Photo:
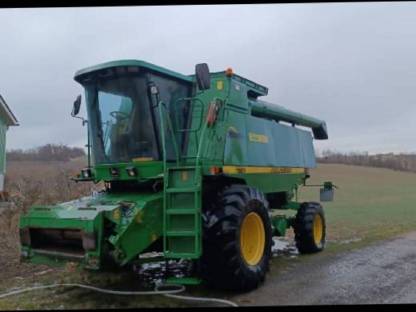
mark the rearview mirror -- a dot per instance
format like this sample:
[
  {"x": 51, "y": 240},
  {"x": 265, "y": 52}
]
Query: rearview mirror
[
  {"x": 203, "y": 79},
  {"x": 77, "y": 105}
]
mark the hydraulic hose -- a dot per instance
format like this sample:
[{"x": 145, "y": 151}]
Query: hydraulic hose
[{"x": 158, "y": 291}]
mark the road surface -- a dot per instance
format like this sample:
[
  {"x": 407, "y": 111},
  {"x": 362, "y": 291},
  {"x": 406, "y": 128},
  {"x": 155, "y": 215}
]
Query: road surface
[{"x": 377, "y": 274}]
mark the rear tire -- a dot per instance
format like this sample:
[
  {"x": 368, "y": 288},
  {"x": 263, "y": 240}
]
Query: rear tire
[
  {"x": 310, "y": 228},
  {"x": 237, "y": 239}
]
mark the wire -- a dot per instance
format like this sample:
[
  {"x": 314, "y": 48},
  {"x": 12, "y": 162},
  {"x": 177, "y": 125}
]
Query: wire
[
  {"x": 106, "y": 291},
  {"x": 226, "y": 302},
  {"x": 168, "y": 292},
  {"x": 189, "y": 298}
]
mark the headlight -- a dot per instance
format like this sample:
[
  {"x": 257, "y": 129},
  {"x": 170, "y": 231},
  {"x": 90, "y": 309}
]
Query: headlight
[
  {"x": 86, "y": 173},
  {"x": 114, "y": 172},
  {"x": 131, "y": 171}
]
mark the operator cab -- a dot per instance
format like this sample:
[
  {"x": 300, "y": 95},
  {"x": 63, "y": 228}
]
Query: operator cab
[{"x": 124, "y": 123}]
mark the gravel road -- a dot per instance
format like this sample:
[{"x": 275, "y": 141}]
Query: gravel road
[{"x": 381, "y": 273}]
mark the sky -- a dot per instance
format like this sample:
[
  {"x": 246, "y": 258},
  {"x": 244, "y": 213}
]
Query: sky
[{"x": 350, "y": 64}]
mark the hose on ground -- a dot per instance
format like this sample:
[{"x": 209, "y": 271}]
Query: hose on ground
[
  {"x": 202, "y": 299},
  {"x": 171, "y": 293}
]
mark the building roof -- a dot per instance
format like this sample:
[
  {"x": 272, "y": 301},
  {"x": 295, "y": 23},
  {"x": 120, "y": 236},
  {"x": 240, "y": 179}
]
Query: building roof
[{"x": 6, "y": 112}]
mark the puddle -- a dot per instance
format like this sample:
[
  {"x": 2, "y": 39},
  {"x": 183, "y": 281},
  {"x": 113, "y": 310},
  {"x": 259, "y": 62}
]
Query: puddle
[
  {"x": 282, "y": 246},
  {"x": 349, "y": 241}
]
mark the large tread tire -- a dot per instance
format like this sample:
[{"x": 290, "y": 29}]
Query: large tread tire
[
  {"x": 308, "y": 237},
  {"x": 222, "y": 263}
]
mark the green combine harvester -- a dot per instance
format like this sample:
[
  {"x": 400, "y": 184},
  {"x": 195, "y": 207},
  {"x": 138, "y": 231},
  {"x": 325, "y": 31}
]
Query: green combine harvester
[{"x": 196, "y": 171}]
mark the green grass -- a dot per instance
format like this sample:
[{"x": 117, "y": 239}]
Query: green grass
[{"x": 370, "y": 204}]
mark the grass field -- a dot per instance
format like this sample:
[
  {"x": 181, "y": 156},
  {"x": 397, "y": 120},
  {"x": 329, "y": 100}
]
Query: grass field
[{"x": 370, "y": 204}]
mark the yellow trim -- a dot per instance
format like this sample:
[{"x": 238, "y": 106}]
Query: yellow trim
[
  {"x": 250, "y": 169},
  {"x": 252, "y": 238},
  {"x": 220, "y": 84},
  {"x": 116, "y": 214},
  {"x": 153, "y": 237},
  {"x": 259, "y": 138},
  {"x": 184, "y": 175},
  {"x": 317, "y": 229},
  {"x": 142, "y": 159},
  {"x": 139, "y": 217}
]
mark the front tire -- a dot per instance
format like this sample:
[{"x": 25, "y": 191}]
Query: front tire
[{"x": 237, "y": 239}]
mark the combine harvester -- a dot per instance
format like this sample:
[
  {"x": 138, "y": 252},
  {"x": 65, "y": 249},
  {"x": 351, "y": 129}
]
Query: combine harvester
[{"x": 194, "y": 169}]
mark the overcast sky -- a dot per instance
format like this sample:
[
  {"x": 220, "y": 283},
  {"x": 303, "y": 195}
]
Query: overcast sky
[{"x": 351, "y": 64}]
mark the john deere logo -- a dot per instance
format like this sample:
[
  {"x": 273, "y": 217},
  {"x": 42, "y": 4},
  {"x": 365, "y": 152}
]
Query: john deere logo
[{"x": 259, "y": 138}]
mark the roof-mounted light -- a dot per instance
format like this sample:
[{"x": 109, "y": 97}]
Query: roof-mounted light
[{"x": 229, "y": 72}]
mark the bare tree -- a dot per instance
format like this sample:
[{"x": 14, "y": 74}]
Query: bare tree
[{"x": 401, "y": 162}]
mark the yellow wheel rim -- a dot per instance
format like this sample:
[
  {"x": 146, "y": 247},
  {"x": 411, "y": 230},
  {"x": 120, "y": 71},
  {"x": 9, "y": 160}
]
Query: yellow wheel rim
[
  {"x": 318, "y": 229},
  {"x": 252, "y": 238}
]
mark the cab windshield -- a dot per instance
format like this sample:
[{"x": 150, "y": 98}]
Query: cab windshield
[{"x": 122, "y": 123}]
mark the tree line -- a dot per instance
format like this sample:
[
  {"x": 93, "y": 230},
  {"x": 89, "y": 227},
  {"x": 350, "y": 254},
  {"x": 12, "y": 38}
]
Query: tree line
[
  {"x": 46, "y": 152},
  {"x": 401, "y": 162}
]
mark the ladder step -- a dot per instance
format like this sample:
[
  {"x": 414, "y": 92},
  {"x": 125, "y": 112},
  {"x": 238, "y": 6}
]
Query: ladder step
[
  {"x": 182, "y": 201},
  {"x": 181, "y": 255},
  {"x": 192, "y": 189},
  {"x": 181, "y": 233},
  {"x": 183, "y": 280},
  {"x": 179, "y": 211},
  {"x": 182, "y": 168}
]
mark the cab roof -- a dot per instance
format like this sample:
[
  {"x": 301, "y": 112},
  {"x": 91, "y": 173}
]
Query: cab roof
[
  {"x": 255, "y": 88},
  {"x": 129, "y": 63}
]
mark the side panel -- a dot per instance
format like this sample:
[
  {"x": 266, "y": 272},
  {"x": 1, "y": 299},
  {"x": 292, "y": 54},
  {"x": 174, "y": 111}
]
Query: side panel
[
  {"x": 141, "y": 229},
  {"x": 266, "y": 143},
  {"x": 266, "y": 154}
]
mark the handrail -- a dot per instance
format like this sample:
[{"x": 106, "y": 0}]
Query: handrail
[
  {"x": 192, "y": 99},
  {"x": 198, "y": 155},
  {"x": 161, "y": 105},
  {"x": 202, "y": 139},
  {"x": 162, "y": 131}
]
